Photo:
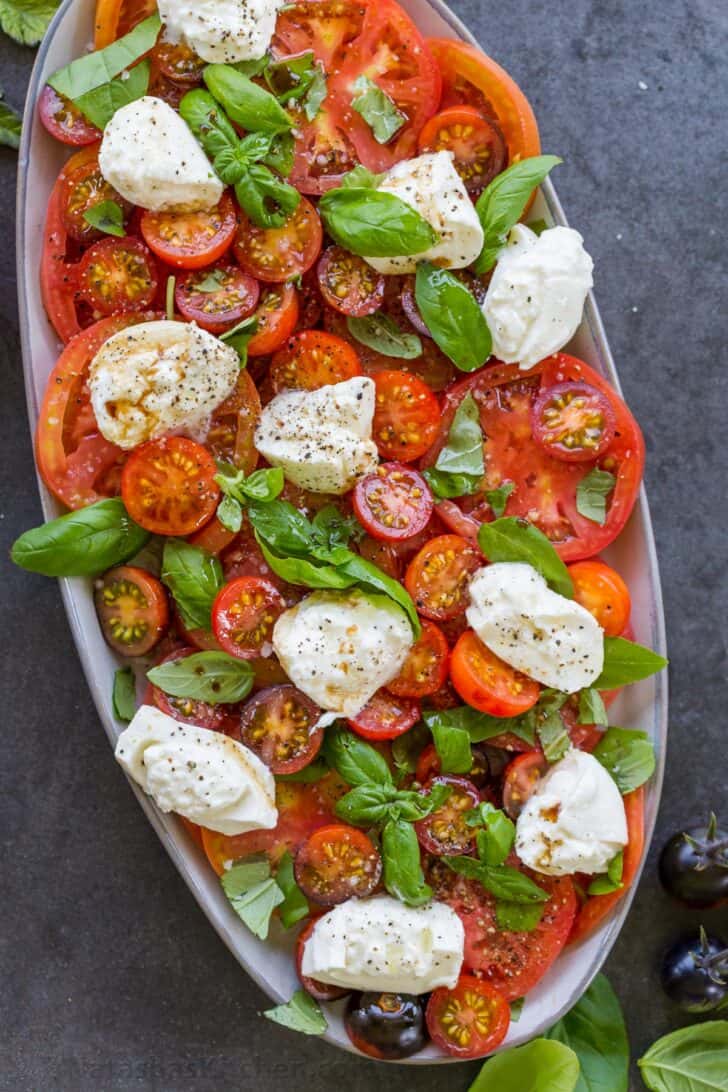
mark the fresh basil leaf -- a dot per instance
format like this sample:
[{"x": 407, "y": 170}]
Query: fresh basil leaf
[
  {"x": 309, "y": 574},
  {"x": 230, "y": 514},
  {"x": 591, "y": 495},
  {"x": 255, "y": 907},
  {"x": 381, "y": 333},
  {"x": 377, "y": 108},
  {"x": 100, "y": 104},
  {"x": 374, "y": 223},
  {"x": 403, "y": 876},
  {"x": 301, "y": 1013},
  {"x": 504, "y": 882},
  {"x": 313, "y": 772},
  {"x": 331, "y": 528},
  {"x": 496, "y": 840},
  {"x": 10, "y": 120},
  {"x": 691, "y": 1059},
  {"x": 239, "y": 337},
  {"x": 123, "y": 696},
  {"x": 592, "y": 709},
  {"x": 626, "y": 662},
  {"x": 537, "y": 226},
  {"x": 282, "y": 154},
  {"x": 513, "y": 539},
  {"x": 370, "y": 578},
  {"x": 553, "y": 737},
  {"x": 460, "y": 466},
  {"x": 294, "y": 907},
  {"x": 262, "y": 485},
  {"x": 212, "y": 677},
  {"x": 266, "y": 199},
  {"x": 360, "y": 177},
  {"x": 539, "y": 1066},
  {"x": 244, "y": 875},
  {"x": 169, "y": 297},
  {"x": 628, "y": 755},
  {"x": 282, "y": 527},
  {"x": 82, "y": 543},
  {"x": 503, "y": 200},
  {"x": 247, "y": 104},
  {"x": 96, "y": 69},
  {"x": 453, "y": 317},
  {"x": 498, "y": 498},
  {"x": 354, "y": 760},
  {"x": 414, "y": 806},
  {"x": 208, "y": 121},
  {"x": 26, "y": 21},
  {"x": 480, "y": 726},
  {"x": 517, "y": 917},
  {"x": 300, "y": 79},
  {"x": 612, "y": 878},
  {"x": 407, "y": 748},
  {"x": 106, "y": 216},
  {"x": 194, "y": 578},
  {"x": 594, "y": 1029},
  {"x": 452, "y": 744},
  {"x": 366, "y": 805}
]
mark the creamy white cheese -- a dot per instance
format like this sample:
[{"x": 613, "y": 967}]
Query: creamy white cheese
[
  {"x": 575, "y": 821},
  {"x": 536, "y": 295},
  {"x": 381, "y": 944},
  {"x": 206, "y": 776},
  {"x": 159, "y": 377},
  {"x": 223, "y": 31},
  {"x": 545, "y": 635},
  {"x": 321, "y": 439},
  {"x": 431, "y": 185},
  {"x": 150, "y": 156},
  {"x": 339, "y": 647}
]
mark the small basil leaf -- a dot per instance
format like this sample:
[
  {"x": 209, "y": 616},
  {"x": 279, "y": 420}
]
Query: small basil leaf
[
  {"x": 301, "y": 1013},
  {"x": 212, "y": 677},
  {"x": 82, "y": 543},
  {"x": 294, "y": 907},
  {"x": 498, "y": 498},
  {"x": 403, "y": 876},
  {"x": 413, "y": 806},
  {"x": 123, "y": 697},
  {"x": 517, "y": 917},
  {"x": 592, "y": 709},
  {"x": 95, "y": 69},
  {"x": 194, "y": 578},
  {"x": 480, "y": 726},
  {"x": 100, "y": 105},
  {"x": 267, "y": 200},
  {"x": 243, "y": 875},
  {"x": 452, "y": 744},
  {"x": 230, "y": 514},
  {"x": 514, "y": 539},
  {"x": 611, "y": 880},
  {"x": 591, "y": 495},
  {"x": 374, "y": 223},
  {"x": 460, "y": 466},
  {"x": 381, "y": 333},
  {"x": 628, "y": 755},
  {"x": 247, "y": 104},
  {"x": 595, "y": 1029},
  {"x": 366, "y": 805},
  {"x": 10, "y": 122},
  {"x": 626, "y": 662},
  {"x": 496, "y": 840},
  {"x": 377, "y": 108},
  {"x": 316, "y": 94},
  {"x": 354, "y": 760},
  {"x": 360, "y": 177},
  {"x": 239, "y": 337},
  {"x": 407, "y": 748},
  {"x": 309, "y": 574},
  {"x": 502, "y": 202},
  {"x": 208, "y": 121},
  {"x": 453, "y": 317},
  {"x": 553, "y": 737},
  {"x": 504, "y": 882},
  {"x": 106, "y": 216},
  {"x": 255, "y": 907},
  {"x": 539, "y": 1066}
]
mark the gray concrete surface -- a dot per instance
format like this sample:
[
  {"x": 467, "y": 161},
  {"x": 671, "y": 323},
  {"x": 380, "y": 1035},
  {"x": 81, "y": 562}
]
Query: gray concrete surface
[{"x": 112, "y": 980}]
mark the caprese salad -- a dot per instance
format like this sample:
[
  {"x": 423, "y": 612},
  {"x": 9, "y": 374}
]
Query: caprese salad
[{"x": 341, "y": 496}]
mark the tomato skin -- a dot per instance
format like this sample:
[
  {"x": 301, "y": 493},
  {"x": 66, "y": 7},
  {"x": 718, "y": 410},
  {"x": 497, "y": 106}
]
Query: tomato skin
[
  {"x": 604, "y": 593},
  {"x": 243, "y": 616},
  {"x": 477, "y": 144},
  {"x": 191, "y": 240},
  {"x": 168, "y": 486},
  {"x": 275, "y": 255},
  {"x": 487, "y": 682},
  {"x": 425, "y": 669},
  {"x": 132, "y": 608},
  {"x": 337, "y": 863},
  {"x": 470, "y": 1020},
  {"x": 313, "y": 359},
  {"x": 277, "y": 315},
  {"x": 277, "y": 724},
  {"x": 521, "y": 780},
  {"x": 64, "y": 121},
  {"x": 348, "y": 284},
  {"x": 57, "y": 273},
  {"x": 217, "y": 311},
  {"x": 320, "y": 991},
  {"x": 445, "y": 831},
  {"x": 573, "y": 422},
  {"x": 118, "y": 275},
  {"x": 394, "y": 503},
  {"x": 385, "y": 717},
  {"x": 439, "y": 575},
  {"x": 406, "y": 416}
]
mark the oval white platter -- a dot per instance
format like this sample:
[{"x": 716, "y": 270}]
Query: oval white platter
[{"x": 641, "y": 706}]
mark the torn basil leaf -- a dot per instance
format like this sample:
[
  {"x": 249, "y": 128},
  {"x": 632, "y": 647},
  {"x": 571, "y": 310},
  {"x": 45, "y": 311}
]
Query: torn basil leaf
[
  {"x": 378, "y": 109},
  {"x": 460, "y": 466}
]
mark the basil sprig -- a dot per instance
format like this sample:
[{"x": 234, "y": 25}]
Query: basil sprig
[
  {"x": 381, "y": 333},
  {"x": 612, "y": 878},
  {"x": 379, "y": 111},
  {"x": 591, "y": 495},
  {"x": 81, "y": 543},
  {"x": 453, "y": 317},
  {"x": 106, "y": 216},
  {"x": 374, "y": 223},
  {"x": 212, "y": 677},
  {"x": 194, "y": 578},
  {"x": 502, "y": 202},
  {"x": 301, "y": 1014},
  {"x": 460, "y": 465},
  {"x": 238, "y": 491},
  {"x": 513, "y": 539},
  {"x": 626, "y": 662},
  {"x": 628, "y": 756},
  {"x": 248, "y": 104}
]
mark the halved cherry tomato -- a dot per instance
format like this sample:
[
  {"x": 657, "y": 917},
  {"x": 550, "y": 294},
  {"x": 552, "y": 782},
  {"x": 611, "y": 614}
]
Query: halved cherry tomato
[
  {"x": 604, "y": 594},
  {"x": 313, "y": 359},
  {"x": 470, "y": 1020},
  {"x": 445, "y": 831},
  {"x": 348, "y": 283},
  {"x": 278, "y": 724},
  {"x": 114, "y": 18},
  {"x": 394, "y": 503},
  {"x": 168, "y": 486},
  {"x": 406, "y": 416},
  {"x": 218, "y": 298},
  {"x": 217, "y": 718},
  {"x": 64, "y": 121},
  {"x": 572, "y": 421},
  {"x": 132, "y": 608},
  {"x": 118, "y": 275},
  {"x": 487, "y": 683},
  {"x": 320, "y": 991},
  {"x": 177, "y": 61},
  {"x": 274, "y": 255},
  {"x": 84, "y": 186},
  {"x": 425, "y": 669},
  {"x": 583, "y": 736},
  {"x": 277, "y": 315},
  {"x": 191, "y": 240},
  {"x": 230, "y": 436},
  {"x": 478, "y": 146},
  {"x": 521, "y": 779},
  {"x": 243, "y": 616},
  {"x": 385, "y": 716},
  {"x": 439, "y": 575},
  {"x": 337, "y": 863}
]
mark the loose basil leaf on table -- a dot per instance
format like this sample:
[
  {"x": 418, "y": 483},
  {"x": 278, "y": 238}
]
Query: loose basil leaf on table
[
  {"x": 460, "y": 466},
  {"x": 595, "y": 1030},
  {"x": 591, "y": 495},
  {"x": 95, "y": 69},
  {"x": 403, "y": 876},
  {"x": 498, "y": 498},
  {"x": 542, "y": 1065},
  {"x": 100, "y": 105},
  {"x": 514, "y": 539},
  {"x": 502, "y": 202},
  {"x": 245, "y": 102},
  {"x": 10, "y": 124},
  {"x": 377, "y": 108},
  {"x": 123, "y": 695},
  {"x": 106, "y": 216},
  {"x": 453, "y": 317},
  {"x": 592, "y": 709},
  {"x": 626, "y": 662},
  {"x": 374, "y": 223},
  {"x": 691, "y": 1059},
  {"x": 301, "y": 1013},
  {"x": 611, "y": 880},
  {"x": 82, "y": 543},
  {"x": 212, "y": 677},
  {"x": 381, "y": 333},
  {"x": 628, "y": 755},
  {"x": 194, "y": 578}
]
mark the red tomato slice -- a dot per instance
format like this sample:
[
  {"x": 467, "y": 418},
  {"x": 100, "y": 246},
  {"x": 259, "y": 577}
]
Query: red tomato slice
[
  {"x": 313, "y": 359},
  {"x": 406, "y": 416},
  {"x": 573, "y": 422},
  {"x": 470, "y": 1020},
  {"x": 320, "y": 991},
  {"x": 217, "y": 298},
  {"x": 478, "y": 146},
  {"x": 348, "y": 283},
  {"x": 230, "y": 436},
  {"x": 118, "y": 275},
  {"x": 545, "y": 487},
  {"x": 191, "y": 240},
  {"x": 425, "y": 669},
  {"x": 277, "y": 315},
  {"x": 487, "y": 683},
  {"x": 394, "y": 503},
  {"x": 445, "y": 831},
  {"x": 337, "y": 863},
  {"x": 64, "y": 121},
  {"x": 132, "y": 608},
  {"x": 275, "y": 255},
  {"x": 604, "y": 594},
  {"x": 217, "y": 718},
  {"x": 439, "y": 576},
  {"x": 243, "y": 616},
  {"x": 385, "y": 717},
  {"x": 521, "y": 779},
  {"x": 278, "y": 724},
  {"x": 168, "y": 486},
  {"x": 115, "y": 18}
]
